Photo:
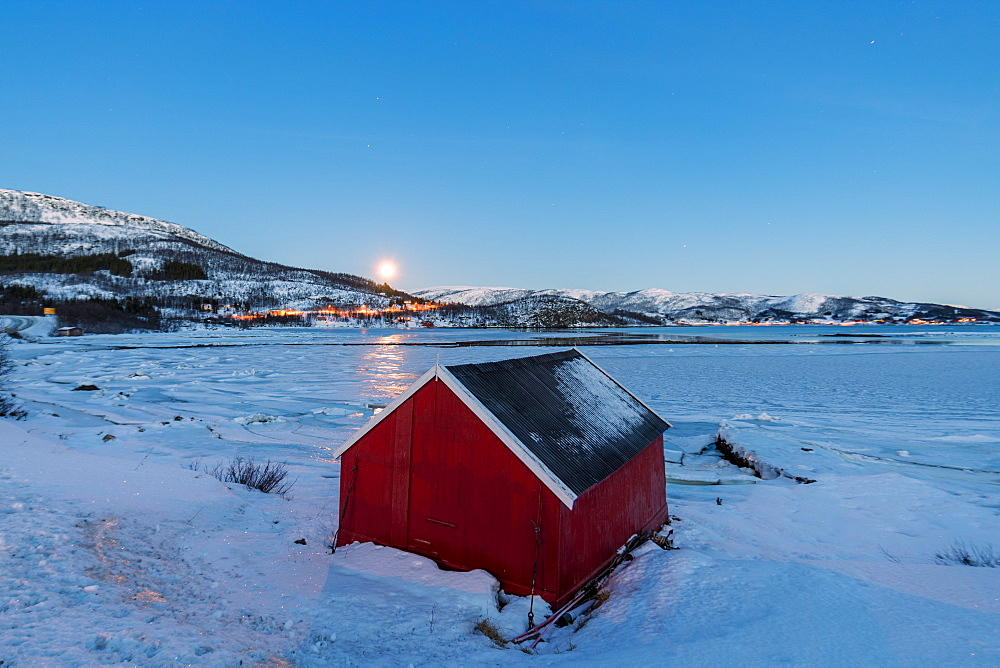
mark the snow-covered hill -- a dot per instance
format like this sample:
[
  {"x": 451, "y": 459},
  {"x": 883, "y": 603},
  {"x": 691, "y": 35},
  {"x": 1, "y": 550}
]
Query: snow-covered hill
[
  {"x": 662, "y": 306},
  {"x": 54, "y": 226},
  {"x": 34, "y": 223},
  {"x": 22, "y": 213}
]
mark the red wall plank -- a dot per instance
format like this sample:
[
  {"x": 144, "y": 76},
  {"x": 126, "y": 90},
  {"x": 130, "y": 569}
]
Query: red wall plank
[{"x": 400, "y": 489}]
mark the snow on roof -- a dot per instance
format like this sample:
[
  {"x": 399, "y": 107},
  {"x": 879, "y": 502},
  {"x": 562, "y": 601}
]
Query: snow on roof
[{"x": 564, "y": 410}]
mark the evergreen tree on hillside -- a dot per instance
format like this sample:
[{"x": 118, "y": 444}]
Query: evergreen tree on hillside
[{"x": 176, "y": 270}]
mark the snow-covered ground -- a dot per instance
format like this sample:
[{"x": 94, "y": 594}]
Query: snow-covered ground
[
  {"x": 28, "y": 326},
  {"x": 113, "y": 550}
]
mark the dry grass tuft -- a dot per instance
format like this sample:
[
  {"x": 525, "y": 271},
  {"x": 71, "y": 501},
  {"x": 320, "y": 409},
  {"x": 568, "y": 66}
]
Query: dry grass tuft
[
  {"x": 664, "y": 541},
  {"x": 601, "y": 598},
  {"x": 959, "y": 553},
  {"x": 491, "y": 631}
]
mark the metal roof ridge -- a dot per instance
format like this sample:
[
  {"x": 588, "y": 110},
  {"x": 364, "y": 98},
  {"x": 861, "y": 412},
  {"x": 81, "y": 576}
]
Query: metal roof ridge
[{"x": 513, "y": 443}]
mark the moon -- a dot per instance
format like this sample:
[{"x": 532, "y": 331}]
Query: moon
[{"x": 386, "y": 270}]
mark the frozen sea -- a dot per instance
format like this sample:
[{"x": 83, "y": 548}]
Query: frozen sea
[{"x": 898, "y": 425}]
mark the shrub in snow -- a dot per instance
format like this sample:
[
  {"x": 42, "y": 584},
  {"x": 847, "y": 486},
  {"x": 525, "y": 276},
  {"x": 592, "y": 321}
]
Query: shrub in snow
[
  {"x": 267, "y": 477},
  {"x": 968, "y": 555}
]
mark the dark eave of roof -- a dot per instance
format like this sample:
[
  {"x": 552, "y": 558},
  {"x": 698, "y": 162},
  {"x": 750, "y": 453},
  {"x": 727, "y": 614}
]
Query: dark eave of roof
[{"x": 574, "y": 418}]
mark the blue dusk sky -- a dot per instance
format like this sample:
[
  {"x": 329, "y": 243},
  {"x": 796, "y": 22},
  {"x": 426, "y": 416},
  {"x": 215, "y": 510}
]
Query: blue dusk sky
[{"x": 768, "y": 147}]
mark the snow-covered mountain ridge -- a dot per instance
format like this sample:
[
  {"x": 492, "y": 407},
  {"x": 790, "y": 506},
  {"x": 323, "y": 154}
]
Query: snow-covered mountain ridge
[
  {"x": 656, "y": 305},
  {"x": 34, "y": 223},
  {"x": 23, "y": 209}
]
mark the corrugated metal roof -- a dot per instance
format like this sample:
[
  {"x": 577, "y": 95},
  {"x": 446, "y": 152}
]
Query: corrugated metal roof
[{"x": 573, "y": 417}]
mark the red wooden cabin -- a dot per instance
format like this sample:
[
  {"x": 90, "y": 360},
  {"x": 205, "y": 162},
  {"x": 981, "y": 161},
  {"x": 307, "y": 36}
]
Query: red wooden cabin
[{"x": 539, "y": 465}]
